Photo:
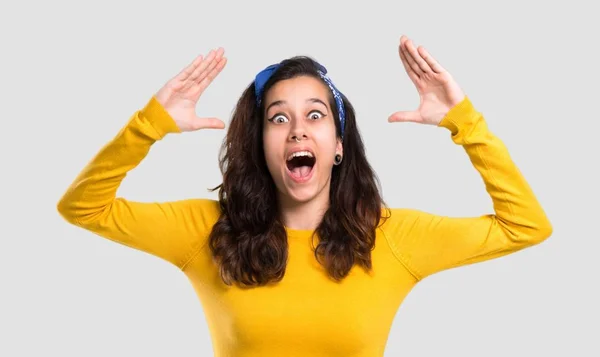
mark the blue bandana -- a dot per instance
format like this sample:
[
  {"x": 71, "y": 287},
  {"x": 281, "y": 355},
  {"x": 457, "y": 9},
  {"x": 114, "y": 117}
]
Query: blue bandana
[{"x": 263, "y": 76}]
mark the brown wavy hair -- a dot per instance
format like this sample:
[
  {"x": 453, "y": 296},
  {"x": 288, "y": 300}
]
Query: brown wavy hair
[{"x": 249, "y": 239}]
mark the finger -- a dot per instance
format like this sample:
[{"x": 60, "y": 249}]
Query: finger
[
  {"x": 411, "y": 74},
  {"x": 435, "y": 66},
  {"x": 213, "y": 74},
  {"x": 209, "y": 69},
  {"x": 201, "y": 71},
  {"x": 208, "y": 123},
  {"x": 189, "y": 69},
  {"x": 202, "y": 67},
  {"x": 412, "y": 52},
  {"x": 403, "y": 39},
  {"x": 405, "y": 116},
  {"x": 411, "y": 61}
]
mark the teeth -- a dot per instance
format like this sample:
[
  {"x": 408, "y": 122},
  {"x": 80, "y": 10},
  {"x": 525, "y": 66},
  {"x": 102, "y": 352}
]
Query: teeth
[{"x": 300, "y": 153}]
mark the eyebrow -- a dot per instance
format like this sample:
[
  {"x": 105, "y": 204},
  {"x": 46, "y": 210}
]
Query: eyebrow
[{"x": 281, "y": 102}]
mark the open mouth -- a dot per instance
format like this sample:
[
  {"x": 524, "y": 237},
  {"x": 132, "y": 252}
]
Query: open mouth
[{"x": 300, "y": 164}]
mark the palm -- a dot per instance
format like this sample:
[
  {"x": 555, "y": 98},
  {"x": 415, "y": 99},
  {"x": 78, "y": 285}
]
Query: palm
[
  {"x": 437, "y": 89},
  {"x": 180, "y": 95}
]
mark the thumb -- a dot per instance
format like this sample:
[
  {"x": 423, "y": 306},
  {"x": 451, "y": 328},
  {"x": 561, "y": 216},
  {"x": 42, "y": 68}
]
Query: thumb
[
  {"x": 207, "y": 123},
  {"x": 405, "y": 116}
]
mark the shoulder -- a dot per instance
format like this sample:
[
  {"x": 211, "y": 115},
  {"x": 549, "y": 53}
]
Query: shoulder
[
  {"x": 206, "y": 209},
  {"x": 196, "y": 215},
  {"x": 394, "y": 220},
  {"x": 405, "y": 229}
]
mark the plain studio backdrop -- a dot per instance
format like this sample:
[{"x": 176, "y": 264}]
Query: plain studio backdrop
[{"x": 74, "y": 72}]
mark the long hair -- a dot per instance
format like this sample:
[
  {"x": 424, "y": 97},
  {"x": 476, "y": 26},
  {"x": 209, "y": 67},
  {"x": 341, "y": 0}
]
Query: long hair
[{"x": 249, "y": 239}]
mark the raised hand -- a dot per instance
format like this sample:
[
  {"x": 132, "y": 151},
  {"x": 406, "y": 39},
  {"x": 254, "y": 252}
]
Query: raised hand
[
  {"x": 437, "y": 89},
  {"x": 180, "y": 95}
]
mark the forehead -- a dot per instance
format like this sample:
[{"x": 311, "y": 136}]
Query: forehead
[{"x": 298, "y": 88}]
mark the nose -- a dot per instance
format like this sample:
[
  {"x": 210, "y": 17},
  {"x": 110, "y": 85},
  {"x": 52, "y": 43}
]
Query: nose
[
  {"x": 298, "y": 138},
  {"x": 297, "y": 131}
]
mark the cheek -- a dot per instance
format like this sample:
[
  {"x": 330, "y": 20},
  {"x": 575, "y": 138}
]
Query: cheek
[
  {"x": 326, "y": 141},
  {"x": 273, "y": 149}
]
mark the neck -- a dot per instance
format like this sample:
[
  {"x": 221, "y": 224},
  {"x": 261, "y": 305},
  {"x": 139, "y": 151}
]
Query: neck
[{"x": 304, "y": 215}]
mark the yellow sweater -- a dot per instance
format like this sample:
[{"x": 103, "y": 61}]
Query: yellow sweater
[{"x": 307, "y": 314}]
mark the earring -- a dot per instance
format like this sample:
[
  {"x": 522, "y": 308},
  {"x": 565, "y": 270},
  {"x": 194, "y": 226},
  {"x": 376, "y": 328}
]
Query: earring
[{"x": 338, "y": 159}]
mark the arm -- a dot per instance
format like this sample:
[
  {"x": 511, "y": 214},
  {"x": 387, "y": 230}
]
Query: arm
[
  {"x": 174, "y": 231},
  {"x": 171, "y": 230},
  {"x": 427, "y": 243}
]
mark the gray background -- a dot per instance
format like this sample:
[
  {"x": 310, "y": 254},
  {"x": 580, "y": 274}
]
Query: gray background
[{"x": 73, "y": 72}]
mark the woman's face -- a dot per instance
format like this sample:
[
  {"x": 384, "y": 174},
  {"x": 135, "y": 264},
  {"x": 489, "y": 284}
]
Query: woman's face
[{"x": 299, "y": 138}]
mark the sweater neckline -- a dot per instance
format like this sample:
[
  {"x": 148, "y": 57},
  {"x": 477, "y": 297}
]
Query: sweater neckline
[{"x": 292, "y": 232}]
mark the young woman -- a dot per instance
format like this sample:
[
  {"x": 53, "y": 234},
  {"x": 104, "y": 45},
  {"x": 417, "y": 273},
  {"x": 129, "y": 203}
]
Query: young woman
[{"x": 299, "y": 255}]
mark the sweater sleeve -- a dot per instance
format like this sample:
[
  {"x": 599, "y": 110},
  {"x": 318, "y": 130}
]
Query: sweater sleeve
[
  {"x": 427, "y": 243},
  {"x": 173, "y": 231}
]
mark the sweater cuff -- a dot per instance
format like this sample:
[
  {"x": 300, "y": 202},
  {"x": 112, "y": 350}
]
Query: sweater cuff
[
  {"x": 460, "y": 116},
  {"x": 159, "y": 118}
]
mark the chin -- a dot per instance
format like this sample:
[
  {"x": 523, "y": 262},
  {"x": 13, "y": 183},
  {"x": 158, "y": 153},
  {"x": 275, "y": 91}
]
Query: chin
[{"x": 300, "y": 195}]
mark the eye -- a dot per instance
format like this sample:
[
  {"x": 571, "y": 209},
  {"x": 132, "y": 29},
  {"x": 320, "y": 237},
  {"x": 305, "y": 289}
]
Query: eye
[
  {"x": 315, "y": 114},
  {"x": 278, "y": 119}
]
